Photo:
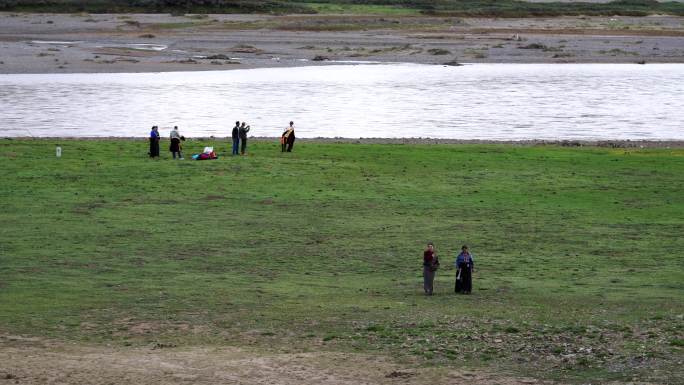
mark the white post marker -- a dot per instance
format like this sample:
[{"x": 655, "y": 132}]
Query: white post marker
[{"x": 58, "y": 151}]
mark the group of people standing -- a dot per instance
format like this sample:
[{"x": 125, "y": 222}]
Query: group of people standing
[
  {"x": 239, "y": 136},
  {"x": 175, "y": 145},
  {"x": 464, "y": 265}
]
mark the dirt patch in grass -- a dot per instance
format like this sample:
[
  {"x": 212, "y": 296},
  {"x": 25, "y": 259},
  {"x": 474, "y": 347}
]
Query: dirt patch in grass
[
  {"x": 127, "y": 327},
  {"x": 28, "y": 361}
]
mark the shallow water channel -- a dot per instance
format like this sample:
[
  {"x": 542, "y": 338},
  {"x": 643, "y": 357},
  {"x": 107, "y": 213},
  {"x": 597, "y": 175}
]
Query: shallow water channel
[{"x": 482, "y": 101}]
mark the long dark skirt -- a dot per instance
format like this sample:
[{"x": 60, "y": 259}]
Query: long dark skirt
[
  {"x": 174, "y": 146},
  {"x": 464, "y": 280},
  {"x": 154, "y": 147},
  {"x": 428, "y": 279},
  {"x": 290, "y": 142}
]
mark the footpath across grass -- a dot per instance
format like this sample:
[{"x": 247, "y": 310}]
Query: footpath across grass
[{"x": 578, "y": 251}]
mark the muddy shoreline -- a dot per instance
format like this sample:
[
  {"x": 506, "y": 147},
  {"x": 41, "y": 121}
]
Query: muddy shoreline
[
  {"x": 116, "y": 43},
  {"x": 410, "y": 141}
]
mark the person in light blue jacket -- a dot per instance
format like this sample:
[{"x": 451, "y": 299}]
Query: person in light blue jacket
[{"x": 464, "y": 271}]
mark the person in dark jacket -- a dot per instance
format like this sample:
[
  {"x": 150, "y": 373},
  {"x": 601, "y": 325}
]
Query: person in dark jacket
[
  {"x": 464, "y": 271},
  {"x": 236, "y": 138},
  {"x": 288, "y": 138},
  {"x": 242, "y": 132},
  {"x": 154, "y": 142},
  {"x": 430, "y": 265},
  {"x": 175, "y": 145}
]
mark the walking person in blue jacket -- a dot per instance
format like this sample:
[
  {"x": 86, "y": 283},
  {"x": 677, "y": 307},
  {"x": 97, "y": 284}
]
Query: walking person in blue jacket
[
  {"x": 464, "y": 271},
  {"x": 236, "y": 138}
]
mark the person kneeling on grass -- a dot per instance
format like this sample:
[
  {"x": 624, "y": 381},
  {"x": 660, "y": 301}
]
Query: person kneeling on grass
[
  {"x": 464, "y": 271},
  {"x": 430, "y": 266}
]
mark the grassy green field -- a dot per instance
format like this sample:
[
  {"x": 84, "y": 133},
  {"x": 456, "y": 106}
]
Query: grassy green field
[
  {"x": 474, "y": 8},
  {"x": 580, "y": 272}
]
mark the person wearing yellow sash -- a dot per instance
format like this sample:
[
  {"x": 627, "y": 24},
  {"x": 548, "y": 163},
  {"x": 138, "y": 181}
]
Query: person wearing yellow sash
[{"x": 288, "y": 138}]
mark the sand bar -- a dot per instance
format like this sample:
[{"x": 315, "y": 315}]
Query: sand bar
[{"x": 103, "y": 43}]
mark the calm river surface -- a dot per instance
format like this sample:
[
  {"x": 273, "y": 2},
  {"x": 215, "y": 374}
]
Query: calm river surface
[{"x": 483, "y": 101}]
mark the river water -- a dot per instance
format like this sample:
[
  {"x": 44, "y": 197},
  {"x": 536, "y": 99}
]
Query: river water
[{"x": 482, "y": 101}]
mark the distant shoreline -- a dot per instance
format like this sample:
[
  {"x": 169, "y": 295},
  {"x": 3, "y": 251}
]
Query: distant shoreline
[
  {"x": 145, "y": 43},
  {"x": 621, "y": 143}
]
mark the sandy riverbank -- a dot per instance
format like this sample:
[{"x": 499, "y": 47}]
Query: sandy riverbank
[{"x": 89, "y": 43}]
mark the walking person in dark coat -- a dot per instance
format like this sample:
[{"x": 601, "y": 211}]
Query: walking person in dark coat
[
  {"x": 236, "y": 138},
  {"x": 464, "y": 271},
  {"x": 242, "y": 132},
  {"x": 430, "y": 265},
  {"x": 288, "y": 138},
  {"x": 154, "y": 142}
]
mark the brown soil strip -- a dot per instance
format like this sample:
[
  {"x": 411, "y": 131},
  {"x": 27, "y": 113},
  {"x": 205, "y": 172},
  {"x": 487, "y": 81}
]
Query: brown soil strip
[{"x": 35, "y": 361}]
